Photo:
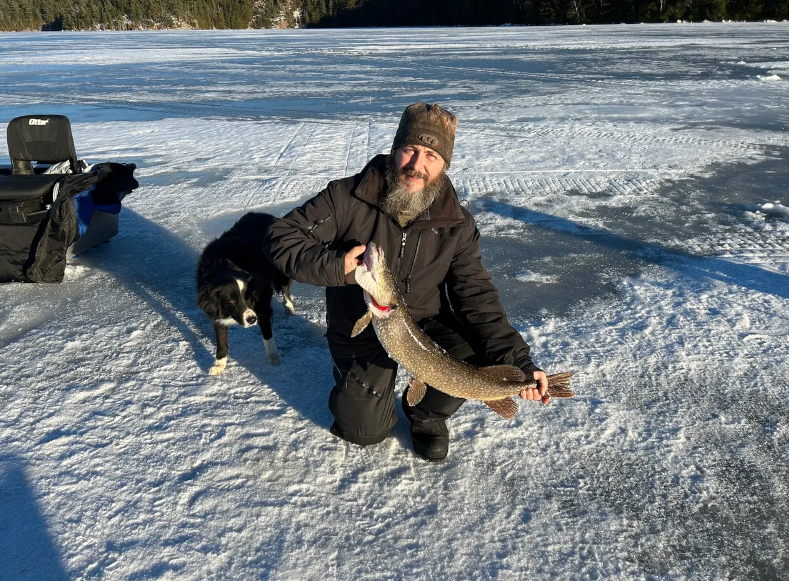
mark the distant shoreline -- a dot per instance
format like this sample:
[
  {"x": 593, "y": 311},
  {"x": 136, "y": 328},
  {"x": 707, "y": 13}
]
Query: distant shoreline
[
  {"x": 99, "y": 15},
  {"x": 437, "y": 26}
]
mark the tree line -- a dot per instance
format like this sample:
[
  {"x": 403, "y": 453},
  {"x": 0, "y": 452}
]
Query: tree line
[{"x": 151, "y": 14}]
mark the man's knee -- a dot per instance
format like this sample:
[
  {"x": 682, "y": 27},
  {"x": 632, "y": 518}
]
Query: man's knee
[
  {"x": 362, "y": 399},
  {"x": 435, "y": 405}
]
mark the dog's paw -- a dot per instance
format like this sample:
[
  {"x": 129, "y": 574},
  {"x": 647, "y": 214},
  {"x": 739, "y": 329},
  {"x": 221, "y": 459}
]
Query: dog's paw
[
  {"x": 219, "y": 367},
  {"x": 289, "y": 309},
  {"x": 271, "y": 351}
]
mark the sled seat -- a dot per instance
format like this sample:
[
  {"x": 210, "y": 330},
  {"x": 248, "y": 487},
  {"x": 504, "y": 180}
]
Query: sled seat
[
  {"x": 52, "y": 206},
  {"x": 25, "y": 190},
  {"x": 43, "y": 139}
]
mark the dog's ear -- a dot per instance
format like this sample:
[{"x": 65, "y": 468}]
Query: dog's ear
[
  {"x": 208, "y": 300},
  {"x": 252, "y": 285}
]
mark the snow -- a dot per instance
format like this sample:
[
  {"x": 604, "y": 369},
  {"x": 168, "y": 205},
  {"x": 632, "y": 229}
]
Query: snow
[
  {"x": 630, "y": 186},
  {"x": 776, "y": 209},
  {"x": 529, "y": 276}
]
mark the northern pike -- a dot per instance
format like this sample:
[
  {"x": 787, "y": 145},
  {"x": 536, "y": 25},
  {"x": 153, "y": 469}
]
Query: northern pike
[{"x": 427, "y": 362}]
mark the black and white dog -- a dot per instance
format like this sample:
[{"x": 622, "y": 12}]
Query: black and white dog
[{"x": 235, "y": 284}]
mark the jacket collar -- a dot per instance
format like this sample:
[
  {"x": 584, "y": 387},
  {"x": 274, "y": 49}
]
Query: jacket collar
[{"x": 443, "y": 212}]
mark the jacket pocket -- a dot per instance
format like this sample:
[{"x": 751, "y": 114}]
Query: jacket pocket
[{"x": 319, "y": 227}]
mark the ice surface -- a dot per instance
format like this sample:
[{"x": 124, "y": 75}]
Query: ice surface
[{"x": 630, "y": 185}]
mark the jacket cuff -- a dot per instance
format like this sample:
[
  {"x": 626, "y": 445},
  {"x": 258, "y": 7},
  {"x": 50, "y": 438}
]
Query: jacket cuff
[
  {"x": 529, "y": 370},
  {"x": 339, "y": 261}
]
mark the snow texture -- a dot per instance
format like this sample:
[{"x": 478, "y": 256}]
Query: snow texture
[{"x": 630, "y": 184}]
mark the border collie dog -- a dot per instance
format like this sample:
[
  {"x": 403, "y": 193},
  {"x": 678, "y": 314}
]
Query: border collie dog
[{"x": 235, "y": 284}]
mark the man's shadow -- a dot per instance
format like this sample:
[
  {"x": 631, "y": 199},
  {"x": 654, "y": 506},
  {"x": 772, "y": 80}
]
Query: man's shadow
[{"x": 27, "y": 547}]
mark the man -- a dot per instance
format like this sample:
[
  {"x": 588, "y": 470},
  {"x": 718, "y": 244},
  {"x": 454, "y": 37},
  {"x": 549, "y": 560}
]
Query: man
[{"x": 406, "y": 204}]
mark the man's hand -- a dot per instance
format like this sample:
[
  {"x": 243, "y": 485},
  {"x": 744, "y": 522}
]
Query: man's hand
[
  {"x": 352, "y": 260},
  {"x": 540, "y": 392}
]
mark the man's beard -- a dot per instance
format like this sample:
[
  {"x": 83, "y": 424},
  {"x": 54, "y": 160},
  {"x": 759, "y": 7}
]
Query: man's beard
[{"x": 398, "y": 199}]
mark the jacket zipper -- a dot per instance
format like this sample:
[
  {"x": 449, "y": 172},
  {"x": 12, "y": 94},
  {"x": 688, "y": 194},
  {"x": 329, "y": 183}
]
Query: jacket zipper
[
  {"x": 317, "y": 223},
  {"x": 407, "y": 279},
  {"x": 413, "y": 263},
  {"x": 400, "y": 254}
]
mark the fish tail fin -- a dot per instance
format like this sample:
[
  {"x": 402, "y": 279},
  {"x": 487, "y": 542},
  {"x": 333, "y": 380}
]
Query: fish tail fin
[
  {"x": 559, "y": 385},
  {"x": 506, "y": 408}
]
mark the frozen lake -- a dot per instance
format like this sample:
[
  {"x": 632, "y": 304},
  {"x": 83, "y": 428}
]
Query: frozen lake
[{"x": 620, "y": 177}]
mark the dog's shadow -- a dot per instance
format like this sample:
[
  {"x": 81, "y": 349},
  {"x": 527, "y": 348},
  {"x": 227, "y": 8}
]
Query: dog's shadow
[{"x": 159, "y": 268}]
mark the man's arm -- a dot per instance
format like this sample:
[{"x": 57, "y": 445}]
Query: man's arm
[
  {"x": 298, "y": 243},
  {"x": 476, "y": 303}
]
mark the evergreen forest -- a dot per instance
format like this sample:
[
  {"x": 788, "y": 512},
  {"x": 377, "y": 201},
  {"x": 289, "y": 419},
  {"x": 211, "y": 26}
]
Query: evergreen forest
[{"x": 18, "y": 15}]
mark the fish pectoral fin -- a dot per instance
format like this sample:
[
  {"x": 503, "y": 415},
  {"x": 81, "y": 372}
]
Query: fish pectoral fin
[
  {"x": 506, "y": 408},
  {"x": 416, "y": 391},
  {"x": 361, "y": 324},
  {"x": 505, "y": 372}
]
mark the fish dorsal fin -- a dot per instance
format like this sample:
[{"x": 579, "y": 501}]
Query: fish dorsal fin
[
  {"x": 362, "y": 323},
  {"x": 506, "y": 407},
  {"x": 505, "y": 372},
  {"x": 416, "y": 391}
]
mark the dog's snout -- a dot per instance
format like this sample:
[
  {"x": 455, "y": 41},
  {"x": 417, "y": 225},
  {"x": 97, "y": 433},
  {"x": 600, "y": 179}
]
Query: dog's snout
[{"x": 251, "y": 320}]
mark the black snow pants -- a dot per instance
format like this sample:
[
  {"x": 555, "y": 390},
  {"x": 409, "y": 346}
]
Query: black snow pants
[{"x": 362, "y": 399}]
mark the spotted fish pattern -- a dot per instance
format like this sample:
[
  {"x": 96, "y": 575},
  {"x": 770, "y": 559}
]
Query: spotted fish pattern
[{"x": 427, "y": 362}]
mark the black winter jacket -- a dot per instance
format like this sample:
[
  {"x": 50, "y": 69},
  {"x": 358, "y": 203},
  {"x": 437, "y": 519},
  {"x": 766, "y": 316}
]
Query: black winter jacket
[{"x": 440, "y": 247}]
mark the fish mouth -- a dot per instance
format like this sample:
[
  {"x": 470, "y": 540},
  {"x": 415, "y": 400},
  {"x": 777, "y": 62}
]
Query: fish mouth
[
  {"x": 374, "y": 263},
  {"x": 370, "y": 259}
]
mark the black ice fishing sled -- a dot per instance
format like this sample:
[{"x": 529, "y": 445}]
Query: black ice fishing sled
[{"x": 52, "y": 204}]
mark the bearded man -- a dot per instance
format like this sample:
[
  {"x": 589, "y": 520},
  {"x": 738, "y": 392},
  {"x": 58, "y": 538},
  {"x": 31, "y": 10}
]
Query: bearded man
[{"x": 405, "y": 203}]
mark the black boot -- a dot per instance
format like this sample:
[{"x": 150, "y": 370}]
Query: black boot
[
  {"x": 429, "y": 446},
  {"x": 430, "y": 437}
]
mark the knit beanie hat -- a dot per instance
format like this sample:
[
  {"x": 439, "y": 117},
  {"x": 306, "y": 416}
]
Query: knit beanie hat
[{"x": 427, "y": 125}]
